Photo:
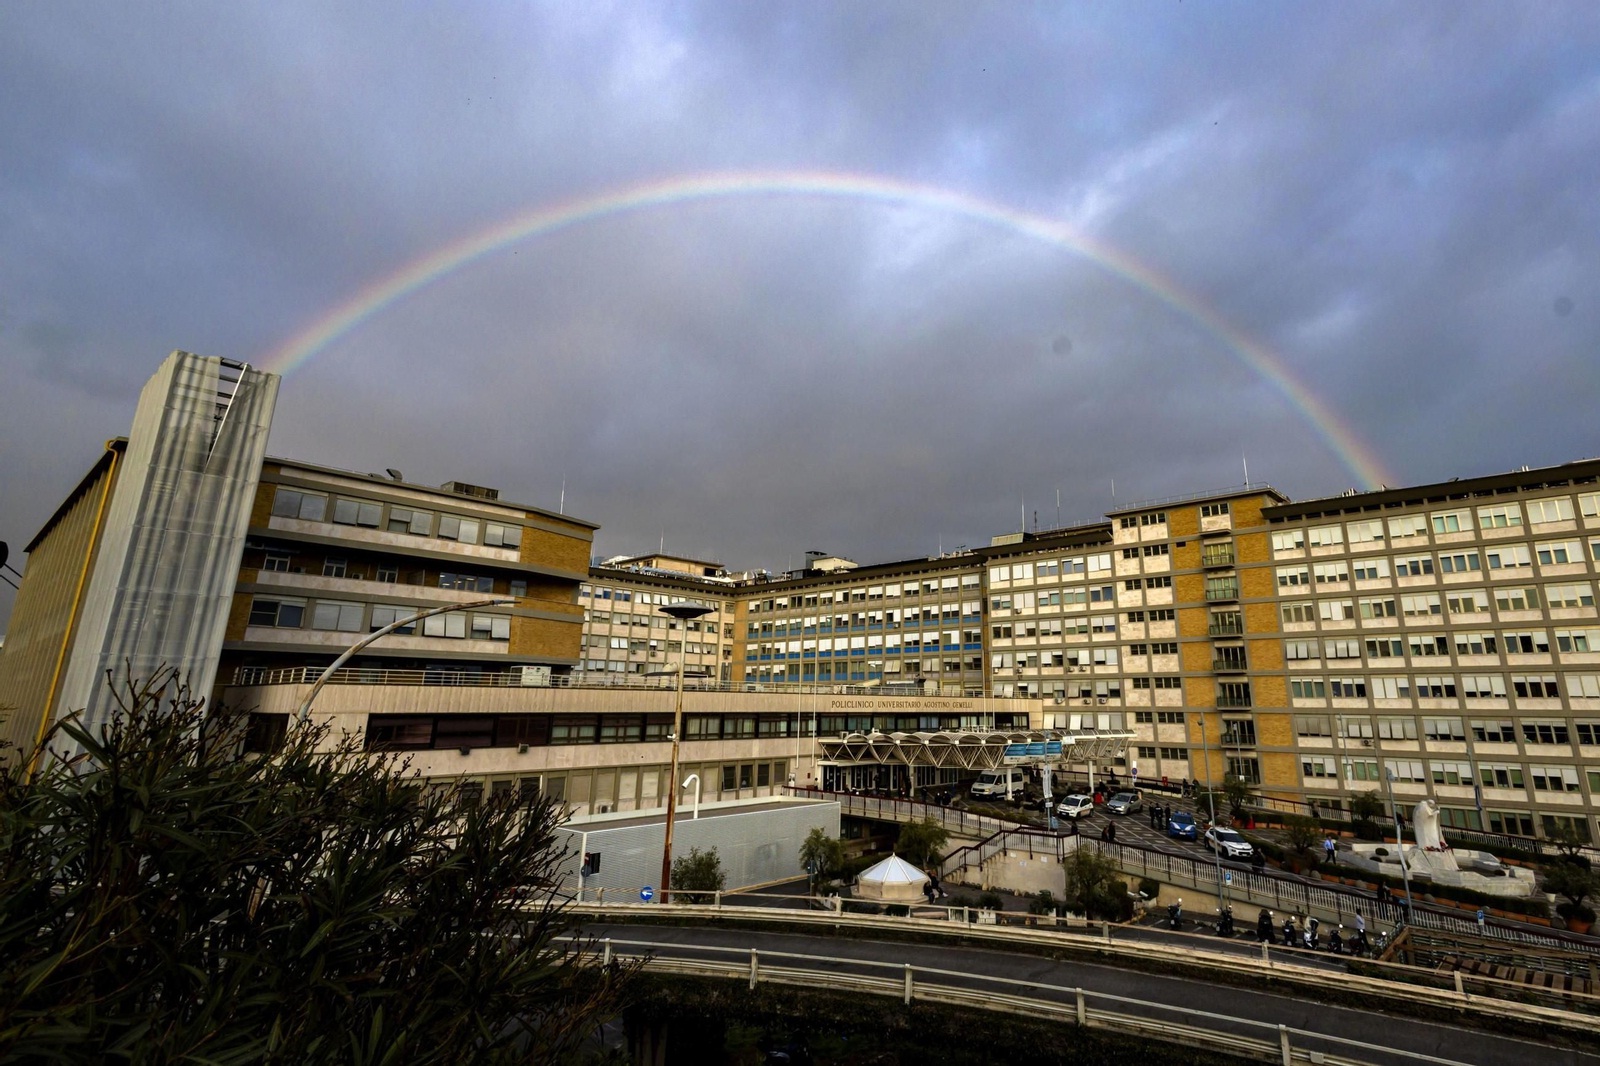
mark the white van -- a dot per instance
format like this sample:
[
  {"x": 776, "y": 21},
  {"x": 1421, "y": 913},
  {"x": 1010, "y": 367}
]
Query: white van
[{"x": 1004, "y": 783}]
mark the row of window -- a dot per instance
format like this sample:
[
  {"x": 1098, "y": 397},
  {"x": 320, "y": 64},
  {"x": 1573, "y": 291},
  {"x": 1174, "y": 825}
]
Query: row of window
[
  {"x": 1379, "y": 568},
  {"x": 315, "y": 507},
  {"x": 656, "y": 621},
  {"x": 1440, "y": 523},
  {"x": 1458, "y": 603},
  {"x": 1437, "y": 645},
  {"x": 892, "y": 618},
  {"x": 388, "y": 574},
  {"x": 1448, "y": 687},
  {"x": 866, "y": 594},
  {"x": 1415, "y": 771},
  {"x": 1484, "y": 730},
  {"x": 282, "y": 612}
]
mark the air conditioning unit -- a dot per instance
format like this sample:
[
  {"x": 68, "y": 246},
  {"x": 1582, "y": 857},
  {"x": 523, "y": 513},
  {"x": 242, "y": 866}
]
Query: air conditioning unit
[
  {"x": 1086, "y": 701},
  {"x": 1366, "y": 743},
  {"x": 1102, "y": 699},
  {"x": 1060, "y": 700}
]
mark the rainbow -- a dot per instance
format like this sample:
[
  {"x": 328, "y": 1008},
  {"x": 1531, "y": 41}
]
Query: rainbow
[{"x": 374, "y": 297}]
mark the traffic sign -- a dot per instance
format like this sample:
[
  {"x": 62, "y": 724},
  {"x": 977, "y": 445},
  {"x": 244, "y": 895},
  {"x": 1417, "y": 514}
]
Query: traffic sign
[
  {"x": 1227, "y": 877},
  {"x": 647, "y": 893}
]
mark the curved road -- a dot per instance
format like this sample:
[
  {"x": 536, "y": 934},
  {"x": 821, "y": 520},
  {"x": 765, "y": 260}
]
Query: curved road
[{"x": 1456, "y": 1044}]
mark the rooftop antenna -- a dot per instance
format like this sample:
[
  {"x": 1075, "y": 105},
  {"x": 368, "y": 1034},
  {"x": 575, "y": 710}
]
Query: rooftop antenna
[
  {"x": 662, "y": 548},
  {"x": 562, "y": 508},
  {"x": 1113, "y": 488},
  {"x": 1246, "y": 469},
  {"x": 1058, "y": 506}
]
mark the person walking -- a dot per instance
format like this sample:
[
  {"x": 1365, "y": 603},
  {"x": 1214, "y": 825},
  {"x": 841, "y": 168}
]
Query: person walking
[
  {"x": 1328, "y": 848},
  {"x": 1361, "y": 924}
]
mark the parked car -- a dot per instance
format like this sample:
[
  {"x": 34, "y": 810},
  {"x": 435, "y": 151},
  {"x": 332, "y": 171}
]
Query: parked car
[
  {"x": 1124, "y": 803},
  {"x": 1075, "y": 806},
  {"x": 1181, "y": 824},
  {"x": 1000, "y": 784},
  {"x": 1228, "y": 843}
]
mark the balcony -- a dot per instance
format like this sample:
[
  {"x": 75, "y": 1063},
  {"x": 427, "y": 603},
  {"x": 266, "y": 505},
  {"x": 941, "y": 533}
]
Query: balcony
[
  {"x": 1226, "y": 626},
  {"x": 1233, "y": 703},
  {"x": 1229, "y": 665},
  {"x": 1214, "y": 556},
  {"x": 1222, "y": 590}
]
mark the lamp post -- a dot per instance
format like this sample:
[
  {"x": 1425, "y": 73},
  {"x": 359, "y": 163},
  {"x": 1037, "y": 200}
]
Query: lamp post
[
  {"x": 305, "y": 707},
  {"x": 683, "y": 612},
  {"x": 1399, "y": 840},
  {"x": 1211, "y": 801}
]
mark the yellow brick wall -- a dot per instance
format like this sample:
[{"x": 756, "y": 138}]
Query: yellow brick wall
[
  {"x": 1184, "y": 522},
  {"x": 1199, "y": 691},
  {"x": 1196, "y": 657},
  {"x": 1186, "y": 557},
  {"x": 1261, "y": 617},
  {"x": 1269, "y": 691},
  {"x": 545, "y": 637},
  {"x": 1194, "y": 622},
  {"x": 1257, "y": 583},
  {"x": 1189, "y": 588},
  {"x": 239, "y": 612},
  {"x": 1279, "y": 769},
  {"x": 261, "y": 509},
  {"x": 1275, "y": 730},
  {"x": 1252, "y": 548},
  {"x": 1266, "y": 655},
  {"x": 1247, "y": 512},
  {"x": 542, "y": 548}
]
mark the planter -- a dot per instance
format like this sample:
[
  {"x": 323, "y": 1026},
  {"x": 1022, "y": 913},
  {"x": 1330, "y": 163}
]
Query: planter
[{"x": 1579, "y": 925}]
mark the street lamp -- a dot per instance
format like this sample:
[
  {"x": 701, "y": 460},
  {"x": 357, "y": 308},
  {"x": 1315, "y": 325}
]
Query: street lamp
[
  {"x": 305, "y": 708},
  {"x": 1399, "y": 840},
  {"x": 683, "y": 612},
  {"x": 1211, "y": 801}
]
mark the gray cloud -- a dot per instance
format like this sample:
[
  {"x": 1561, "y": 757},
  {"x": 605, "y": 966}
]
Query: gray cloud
[{"x": 1398, "y": 203}]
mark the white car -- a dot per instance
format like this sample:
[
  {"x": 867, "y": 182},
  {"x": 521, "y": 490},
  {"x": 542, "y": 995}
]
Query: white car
[
  {"x": 1228, "y": 843},
  {"x": 1075, "y": 806},
  {"x": 1124, "y": 803}
]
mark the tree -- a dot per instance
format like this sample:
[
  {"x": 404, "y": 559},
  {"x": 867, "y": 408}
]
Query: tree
[
  {"x": 822, "y": 855},
  {"x": 1301, "y": 833},
  {"x": 1574, "y": 882},
  {"x": 922, "y": 843},
  {"x": 1094, "y": 887},
  {"x": 1239, "y": 794},
  {"x": 1568, "y": 841},
  {"x": 699, "y": 871},
  {"x": 163, "y": 899},
  {"x": 1366, "y": 807}
]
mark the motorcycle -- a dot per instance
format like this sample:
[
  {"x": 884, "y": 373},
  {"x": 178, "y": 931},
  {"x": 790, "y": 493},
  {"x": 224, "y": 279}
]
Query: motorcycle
[
  {"x": 1312, "y": 941},
  {"x": 1264, "y": 926},
  {"x": 1175, "y": 914},
  {"x": 1225, "y": 922},
  {"x": 1288, "y": 932},
  {"x": 1336, "y": 942},
  {"x": 1358, "y": 944}
]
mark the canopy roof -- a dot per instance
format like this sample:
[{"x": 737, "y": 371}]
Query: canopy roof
[
  {"x": 893, "y": 870},
  {"x": 971, "y": 750}
]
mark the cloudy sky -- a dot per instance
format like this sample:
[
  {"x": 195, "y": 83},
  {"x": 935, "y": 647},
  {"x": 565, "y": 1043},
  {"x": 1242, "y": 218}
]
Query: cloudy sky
[{"x": 997, "y": 251}]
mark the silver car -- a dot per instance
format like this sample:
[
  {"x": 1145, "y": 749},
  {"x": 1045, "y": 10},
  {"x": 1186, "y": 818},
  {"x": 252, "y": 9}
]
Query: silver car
[
  {"x": 1124, "y": 803},
  {"x": 1228, "y": 843}
]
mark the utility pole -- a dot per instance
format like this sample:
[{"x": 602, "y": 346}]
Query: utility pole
[{"x": 1399, "y": 840}]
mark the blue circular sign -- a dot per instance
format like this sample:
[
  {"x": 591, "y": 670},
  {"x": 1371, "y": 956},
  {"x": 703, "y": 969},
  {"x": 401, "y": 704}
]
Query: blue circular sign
[{"x": 647, "y": 893}]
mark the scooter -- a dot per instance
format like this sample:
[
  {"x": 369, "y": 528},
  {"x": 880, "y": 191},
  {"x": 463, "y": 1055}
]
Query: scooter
[
  {"x": 1225, "y": 922},
  {"x": 1311, "y": 939},
  {"x": 1358, "y": 943},
  {"x": 1264, "y": 926},
  {"x": 1335, "y": 941},
  {"x": 1288, "y": 932},
  {"x": 1175, "y": 914}
]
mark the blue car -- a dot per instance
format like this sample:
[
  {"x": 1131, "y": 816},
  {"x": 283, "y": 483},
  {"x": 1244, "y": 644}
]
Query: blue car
[{"x": 1181, "y": 824}]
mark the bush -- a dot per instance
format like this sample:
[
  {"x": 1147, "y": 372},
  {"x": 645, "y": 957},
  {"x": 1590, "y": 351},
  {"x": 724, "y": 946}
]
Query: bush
[
  {"x": 166, "y": 901},
  {"x": 1149, "y": 888},
  {"x": 1094, "y": 886},
  {"x": 1043, "y": 903},
  {"x": 991, "y": 901},
  {"x": 697, "y": 872},
  {"x": 822, "y": 855},
  {"x": 921, "y": 843}
]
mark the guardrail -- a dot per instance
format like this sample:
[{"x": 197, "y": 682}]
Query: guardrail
[
  {"x": 1394, "y": 985},
  {"x": 251, "y": 676},
  {"x": 959, "y": 822},
  {"x": 1081, "y": 1006}
]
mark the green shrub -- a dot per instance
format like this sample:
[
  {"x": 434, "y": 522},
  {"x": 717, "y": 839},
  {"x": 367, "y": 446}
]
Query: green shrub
[
  {"x": 1149, "y": 888},
  {"x": 991, "y": 901},
  {"x": 1043, "y": 903}
]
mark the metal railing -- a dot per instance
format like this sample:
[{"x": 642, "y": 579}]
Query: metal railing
[
  {"x": 1146, "y": 1019},
  {"x": 959, "y": 822}
]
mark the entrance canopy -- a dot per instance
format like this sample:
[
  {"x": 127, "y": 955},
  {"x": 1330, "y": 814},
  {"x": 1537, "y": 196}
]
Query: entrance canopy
[{"x": 972, "y": 751}]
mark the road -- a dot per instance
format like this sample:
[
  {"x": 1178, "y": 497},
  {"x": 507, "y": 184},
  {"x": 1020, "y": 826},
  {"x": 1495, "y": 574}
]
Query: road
[{"x": 1448, "y": 1042}]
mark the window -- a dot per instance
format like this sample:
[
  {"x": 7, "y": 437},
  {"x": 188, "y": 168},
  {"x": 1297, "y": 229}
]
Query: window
[
  {"x": 388, "y": 575},
  {"x": 306, "y": 506},
  {"x": 1410, "y": 525},
  {"x": 1468, "y": 601},
  {"x": 1385, "y": 647},
  {"x": 1312, "y": 725},
  {"x": 1336, "y": 610},
  {"x": 454, "y": 527},
  {"x": 1483, "y": 687},
  {"x": 334, "y": 567},
  {"x": 1536, "y": 642},
  {"x": 1341, "y": 649},
  {"x": 1329, "y": 573},
  {"x": 1554, "y": 778},
  {"x": 1347, "y": 688},
  {"x": 1579, "y": 595},
  {"x": 1535, "y": 686},
  {"x": 1443, "y": 729},
  {"x": 1293, "y": 577},
  {"x": 491, "y": 627},
  {"x": 1309, "y": 688},
  {"x": 1169, "y": 717},
  {"x": 1493, "y": 731},
  {"x": 1535, "y": 732},
  {"x": 1413, "y": 565},
  {"x": 1175, "y": 754},
  {"x": 1508, "y": 557},
  {"x": 1426, "y": 644},
  {"x": 1213, "y": 510},
  {"x": 1301, "y": 649},
  {"x": 445, "y": 625},
  {"x": 1318, "y": 766},
  {"x": 405, "y": 520},
  {"x": 1451, "y": 521},
  {"x": 276, "y": 612},
  {"x": 1499, "y": 776},
  {"x": 1154, "y": 550},
  {"x": 1516, "y": 599},
  {"x": 1499, "y": 517},
  {"x": 383, "y": 615},
  {"x": 499, "y": 535},
  {"x": 276, "y": 562},
  {"x": 1458, "y": 562},
  {"x": 1583, "y": 686},
  {"x": 1364, "y": 531},
  {"x": 1397, "y": 728},
  {"x": 357, "y": 513},
  {"x": 473, "y": 583},
  {"x": 1578, "y": 640},
  {"x": 1289, "y": 540},
  {"x": 1293, "y": 613},
  {"x": 1434, "y": 688},
  {"x": 1589, "y": 734},
  {"x": 342, "y": 617},
  {"x": 1371, "y": 569},
  {"x": 1555, "y": 509},
  {"x": 1420, "y": 606},
  {"x": 1477, "y": 644},
  {"x": 1558, "y": 552},
  {"x": 1245, "y": 768},
  {"x": 1379, "y": 607}
]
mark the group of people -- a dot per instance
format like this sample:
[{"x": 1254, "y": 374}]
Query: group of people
[{"x": 931, "y": 888}]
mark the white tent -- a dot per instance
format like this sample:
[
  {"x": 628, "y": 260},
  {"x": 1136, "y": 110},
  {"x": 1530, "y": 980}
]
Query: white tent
[{"x": 893, "y": 880}]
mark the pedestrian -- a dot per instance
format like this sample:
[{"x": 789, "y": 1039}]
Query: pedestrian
[
  {"x": 1361, "y": 924},
  {"x": 1383, "y": 895},
  {"x": 1328, "y": 848}
]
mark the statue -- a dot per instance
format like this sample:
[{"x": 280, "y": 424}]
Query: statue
[{"x": 1425, "y": 823}]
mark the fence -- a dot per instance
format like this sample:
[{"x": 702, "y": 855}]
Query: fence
[
  {"x": 883, "y": 808},
  {"x": 1147, "y": 1019}
]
